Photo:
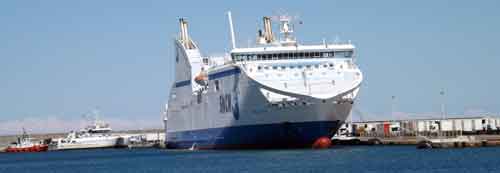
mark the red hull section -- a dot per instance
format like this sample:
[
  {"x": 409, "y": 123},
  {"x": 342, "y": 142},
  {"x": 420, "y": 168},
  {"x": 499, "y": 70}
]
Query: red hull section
[{"x": 35, "y": 148}]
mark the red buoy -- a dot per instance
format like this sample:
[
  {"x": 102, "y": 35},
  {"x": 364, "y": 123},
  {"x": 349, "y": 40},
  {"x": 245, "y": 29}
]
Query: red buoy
[{"x": 322, "y": 143}]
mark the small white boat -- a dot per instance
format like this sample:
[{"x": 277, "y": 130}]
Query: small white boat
[{"x": 97, "y": 135}]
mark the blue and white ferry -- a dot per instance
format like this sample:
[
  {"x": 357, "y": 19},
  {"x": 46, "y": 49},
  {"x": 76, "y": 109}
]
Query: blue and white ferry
[{"x": 276, "y": 94}]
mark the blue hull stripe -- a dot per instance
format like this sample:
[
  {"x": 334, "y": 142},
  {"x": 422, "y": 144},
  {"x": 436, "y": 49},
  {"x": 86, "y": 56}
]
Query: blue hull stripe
[
  {"x": 182, "y": 83},
  {"x": 211, "y": 76},
  {"x": 282, "y": 135},
  {"x": 224, "y": 73}
]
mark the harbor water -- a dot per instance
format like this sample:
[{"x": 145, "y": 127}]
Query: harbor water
[{"x": 339, "y": 159}]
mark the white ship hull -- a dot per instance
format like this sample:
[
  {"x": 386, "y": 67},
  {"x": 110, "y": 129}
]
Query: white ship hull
[
  {"x": 263, "y": 97},
  {"x": 252, "y": 121},
  {"x": 85, "y": 143}
]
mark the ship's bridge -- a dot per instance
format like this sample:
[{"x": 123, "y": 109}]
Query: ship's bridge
[
  {"x": 320, "y": 71},
  {"x": 293, "y": 52}
]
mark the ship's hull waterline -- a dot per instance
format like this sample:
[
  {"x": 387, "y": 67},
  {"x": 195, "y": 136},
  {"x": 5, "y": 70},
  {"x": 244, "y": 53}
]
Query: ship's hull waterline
[{"x": 282, "y": 135}]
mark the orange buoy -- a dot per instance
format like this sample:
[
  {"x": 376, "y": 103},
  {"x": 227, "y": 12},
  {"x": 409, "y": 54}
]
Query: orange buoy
[{"x": 322, "y": 143}]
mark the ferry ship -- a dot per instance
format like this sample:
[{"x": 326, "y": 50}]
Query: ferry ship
[{"x": 277, "y": 94}]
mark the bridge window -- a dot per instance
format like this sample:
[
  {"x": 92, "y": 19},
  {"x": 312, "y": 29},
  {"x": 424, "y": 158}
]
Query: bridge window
[
  {"x": 316, "y": 54},
  {"x": 235, "y": 57},
  {"x": 324, "y": 54},
  {"x": 330, "y": 54},
  {"x": 289, "y": 55},
  {"x": 349, "y": 54},
  {"x": 268, "y": 57},
  {"x": 344, "y": 54}
]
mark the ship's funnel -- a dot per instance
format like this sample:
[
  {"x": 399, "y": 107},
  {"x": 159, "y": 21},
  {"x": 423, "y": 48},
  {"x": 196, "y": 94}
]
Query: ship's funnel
[
  {"x": 268, "y": 31},
  {"x": 184, "y": 36}
]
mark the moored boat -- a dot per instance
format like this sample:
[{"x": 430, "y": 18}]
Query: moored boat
[
  {"x": 97, "y": 135},
  {"x": 25, "y": 144}
]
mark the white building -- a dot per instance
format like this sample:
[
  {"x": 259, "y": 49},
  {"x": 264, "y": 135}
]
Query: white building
[{"x": 449, "y": 126}]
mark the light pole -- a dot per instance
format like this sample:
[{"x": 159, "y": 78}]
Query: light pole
[
  {"x": 443, "y": 113},
  {"x": 393, "y": 99}
]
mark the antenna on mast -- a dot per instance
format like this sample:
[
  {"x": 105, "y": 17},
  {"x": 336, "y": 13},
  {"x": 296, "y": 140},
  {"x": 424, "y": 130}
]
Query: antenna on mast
[{"x": 231, "y": 29}]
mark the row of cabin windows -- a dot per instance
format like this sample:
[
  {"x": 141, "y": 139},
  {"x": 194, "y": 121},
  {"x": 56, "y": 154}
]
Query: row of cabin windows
[
  {"x": 298, "y": 55},
  {"x": 293, "y": 67}
]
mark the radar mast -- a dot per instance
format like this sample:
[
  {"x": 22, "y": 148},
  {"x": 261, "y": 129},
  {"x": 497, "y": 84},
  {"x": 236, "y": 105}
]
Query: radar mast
[{"x": 286, "y": 29}]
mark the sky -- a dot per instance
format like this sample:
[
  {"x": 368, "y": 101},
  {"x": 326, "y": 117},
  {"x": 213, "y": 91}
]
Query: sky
[{"x": 59, "y": 59}]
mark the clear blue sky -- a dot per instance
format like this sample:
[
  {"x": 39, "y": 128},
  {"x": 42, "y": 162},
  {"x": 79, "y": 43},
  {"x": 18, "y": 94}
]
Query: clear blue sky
[{"x": 62, "y": 58}]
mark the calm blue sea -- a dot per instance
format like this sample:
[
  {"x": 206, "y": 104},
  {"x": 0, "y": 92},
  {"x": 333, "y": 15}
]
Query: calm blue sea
[{"x": 340, "y": 159}]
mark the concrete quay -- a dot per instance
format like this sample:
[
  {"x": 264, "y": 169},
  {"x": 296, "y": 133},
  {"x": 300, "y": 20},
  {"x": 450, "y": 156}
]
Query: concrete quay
[{"x": 447, "y": 142}]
